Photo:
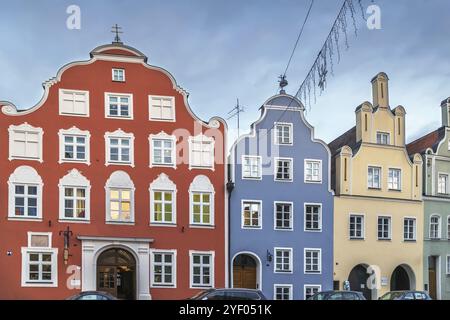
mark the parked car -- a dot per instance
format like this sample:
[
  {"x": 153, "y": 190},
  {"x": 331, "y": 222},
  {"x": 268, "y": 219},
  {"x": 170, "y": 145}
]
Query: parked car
[
  {"x": 229, "y": 294},
  {"x": 92, "y": 295},
  {"x": 338, "y": 295},
  {"x": 406, "y": 295}
]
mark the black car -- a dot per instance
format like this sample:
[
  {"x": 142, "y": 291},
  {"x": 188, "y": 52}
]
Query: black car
[
  {"x": 406, "y": 295},
  {"x": 92, "y": 295},
  {"x": 338, "y": 295},
  {"x": 229, "y": 294}
]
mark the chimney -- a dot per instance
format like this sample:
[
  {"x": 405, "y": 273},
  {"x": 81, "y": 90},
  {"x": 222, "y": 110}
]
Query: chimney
[
  {"x": 380, "y": 90},
  {"x": 445, "y": 107}
]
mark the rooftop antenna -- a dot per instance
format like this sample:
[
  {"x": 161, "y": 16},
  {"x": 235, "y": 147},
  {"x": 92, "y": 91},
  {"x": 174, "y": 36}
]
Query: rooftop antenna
[
  {"x": 236, "y": 112},
  {"x": 283, "y": 83},
  {"x": 117, "y": 30}
]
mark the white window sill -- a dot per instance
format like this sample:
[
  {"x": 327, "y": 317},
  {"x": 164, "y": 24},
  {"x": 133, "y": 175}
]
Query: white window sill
[
  {"x": 283, "y": 230},
  {"x": 162, "y": 120},
  {"x": 129, "y": 164},
  {"x": 163, "y": 224},
  {"x": 202, "y": 168},
  {"x": 162, "y": 165},
  {"x": 251, "y": 228},
  {"x": 202, "y": 226},
  {"x": 67, "y": 114},
  {"x": 118, "y": 117},
  {"x": 38, "y": 219},
  {"x": 252, "y": 179},
  {"x": 40, "y": 285},
  {"x": 283, "y": 272},
  {"x": 75, "y": 161},
  {"x": 200, "y": 287},
  {"x": 284, "y": 181},
  {"x": 163, "y": 286},
  {"x": 313, "y": 182},
  {"x": 25, "y": 159},
  {"x": 314, "y": 231},
  {"x": 126, "y": 223},
  {"x": 67, "y": 220},
  {"x": 313, "y": 273}
]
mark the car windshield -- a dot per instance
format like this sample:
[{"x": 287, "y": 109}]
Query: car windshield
[
  {"x": 200, "y": 295},
  {"x": 321, "y": 296},
  {"x": 392, "y": 296}
]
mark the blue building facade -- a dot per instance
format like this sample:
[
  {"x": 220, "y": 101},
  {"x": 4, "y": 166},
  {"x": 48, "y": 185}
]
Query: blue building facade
[{"x": 281, "y": 205}]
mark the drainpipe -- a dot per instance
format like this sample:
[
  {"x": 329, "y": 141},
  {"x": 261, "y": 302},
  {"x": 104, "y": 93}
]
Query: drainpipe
[{"x": 230, "y": 187}]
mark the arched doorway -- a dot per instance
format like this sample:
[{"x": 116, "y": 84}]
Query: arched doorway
[
  {"x": 358, "y": 281},
  {"x": 402, "y": 279},
  {"x": 116, "y": 273},
  {"x": 245, "y": 272}
]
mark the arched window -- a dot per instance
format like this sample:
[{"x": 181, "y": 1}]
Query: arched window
[
  {"x": 25, "y": 194},
  {"x": 163, "y": 201},
  {"x": 119, "y": 198},
  {"x": 74, "y": 197},
  {"x": 435, "y": 227},
  {"x": 201, "y": 195}
]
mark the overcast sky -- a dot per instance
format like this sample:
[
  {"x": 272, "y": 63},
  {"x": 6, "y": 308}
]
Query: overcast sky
[{"x": 220, "y": 50}]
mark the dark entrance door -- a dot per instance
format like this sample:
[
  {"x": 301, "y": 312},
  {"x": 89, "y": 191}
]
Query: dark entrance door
[
  {"x": 432, "y": 272},
  {"x": 400, "y": 280},
  {"x": 358, "y": 281},
  {"x": 244, "y": 272},
  {"x": 116, "y": 273}
]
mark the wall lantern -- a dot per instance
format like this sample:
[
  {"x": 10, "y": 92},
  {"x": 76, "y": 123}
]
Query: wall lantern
[
  {"x": 269, "y": 257},
  {"x": 66, "y": 233}
]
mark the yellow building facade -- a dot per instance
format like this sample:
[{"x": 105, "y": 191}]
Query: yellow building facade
[{"x": 378, "y": 208}]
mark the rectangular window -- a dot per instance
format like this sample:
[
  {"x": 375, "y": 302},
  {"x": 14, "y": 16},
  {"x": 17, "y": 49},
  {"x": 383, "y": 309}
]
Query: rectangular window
[
  {"x": 119, "y": 150},
  {"x": 283, "y": 134},
  {"x": 251, "y": 167},
  {"x": 201, "y": 153},
  {"x": 119, "y": 105},
  {"x": 120, "y": 205},
  {"x": 384, "y": 228},
  {"x": 40, "y": 267},
  {"x": 201, "y": 208},
  {"x": 374, "y": 178},
  {"x": 26, "y": 201},
  {"x": 448, "y": 265},
  {"x": 74, "y": 103},
  {"x": 74, "y": 148},
  {"x": 443, "y": 183},
  {"x": 251, "y": 215},
  {"x": 163, "y": 269},
  {"x": 409, "y": 229},
  {"x": 163, "y": 207},
  {"x": 311, "y": 290},
  {"x": 383, "y": 138},
  {"x": 162, "y": 108},
  {"x": 163, "y": 152},
  {"x": 313, "y": 217},
  {"x": 435, "y": 227},
  {"x": 395, "y": 179},
  {"x": 356, "y": 227},
  {"x": 313, "y": 261},
  {"x": 313, "y": 171},
  {"x": 25, "y": 144},
  {"x": 283, "y": 170},
  {"x": 282, "y": 292},
  {"x": 283, "y": 260},
  {"x": 118, "y": 75},
  {"x": 283, "y": 216},
  {"x": 74, "y": 203},
  {"x": 202, "y": 269}
]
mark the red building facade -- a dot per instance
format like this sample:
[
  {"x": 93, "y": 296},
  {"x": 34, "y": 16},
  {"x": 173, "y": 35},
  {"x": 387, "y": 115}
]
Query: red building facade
[{"x": 113, "y": 156}]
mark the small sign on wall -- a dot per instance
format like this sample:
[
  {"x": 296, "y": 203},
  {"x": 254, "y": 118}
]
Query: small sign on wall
[{"x": 384, "y": 281}]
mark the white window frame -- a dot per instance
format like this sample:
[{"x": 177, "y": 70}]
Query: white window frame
[
  {"x": 163, "y": 184},
  {"x": 74, "y": 132},
  {"x": 201, "y": 184},
  {"x": 291, "y": 170},
  {"x": 74, "y": 179},
  {"x": 291, "y": 133},
  {"x": 27, "y": 176},
  {"x": 201, "y": 138},
  {"x": 251, "y": 158},
  {"x": 439, "y": 227},
  {"x": 212, "y": 255},
  {"x": 26, "y": 251},
  {"x": 448, "y": 265},
  {"x": 118, "y": 70},
  {"x": 290, "y": 287},
  {"x": 118, "y": 134},
  {"x": 363, "y": 226},
  {"x": 291, "y": 260},
  {"x": 391, "y": 183},
  {"x": 380, "y": 170},
  {"x": 119, "y": 180},
  {"x": 305, "y": 250},
  {"x": 73, "y": 114},
  {"x": 150, "y": 105},
  {"x": 172, "y": 284},
  {"x": 162, "y": 136},
  {"x": 291, "y": 219},
  {"x": 108, "y": 95},
  {"x": 260, "y": 220},
  {"x": 25, "y": 128},
  {"x": 306, "y": 161},
  {"x": 414, "y": 229},
  {"x": 311, "y": 286},
  {"x": 448, "y": 227},
  {"x": 320, "y": 217},
  {"x": 441, "y": 174},
  {"x": 382, "y": 135},
  {"x": 389, "y": 238}
]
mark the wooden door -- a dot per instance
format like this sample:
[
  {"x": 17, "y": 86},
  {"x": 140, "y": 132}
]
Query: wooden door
[
  {"x": 244, "y": 277},
  {"x": 107, "y": 280},
  {"x": 432, "y": 290}
]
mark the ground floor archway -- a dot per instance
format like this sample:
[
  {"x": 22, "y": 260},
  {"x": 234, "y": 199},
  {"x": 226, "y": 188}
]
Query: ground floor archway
[
  {"x": 358, "y": 281},
  {"x": 246, "y": 271},
  {"x": 403, "y": 278}
]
